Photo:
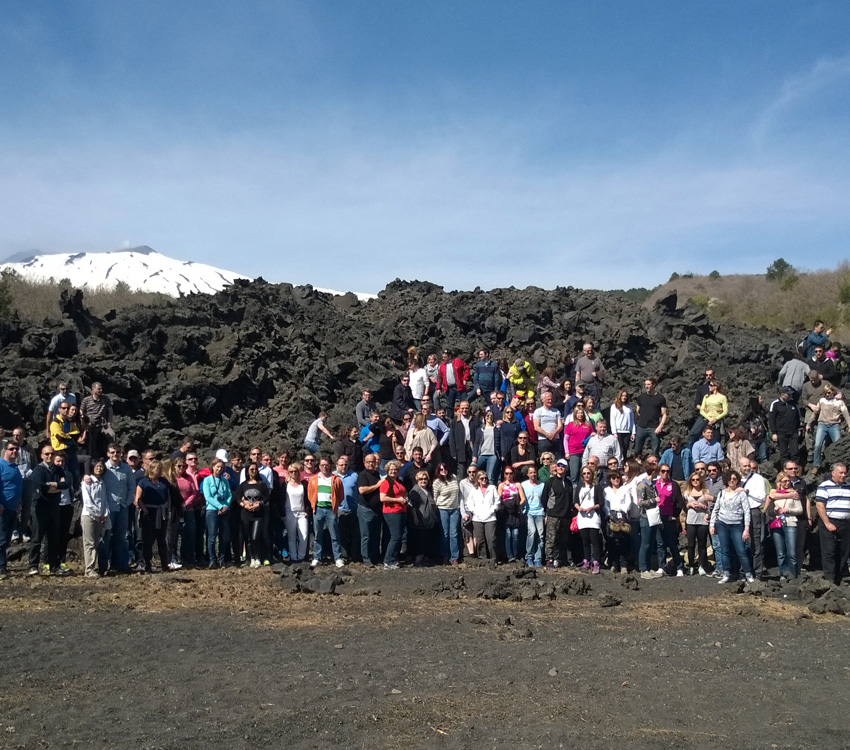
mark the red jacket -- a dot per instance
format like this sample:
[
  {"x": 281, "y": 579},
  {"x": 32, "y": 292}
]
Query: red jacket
[{"x": 461, "y": 374}]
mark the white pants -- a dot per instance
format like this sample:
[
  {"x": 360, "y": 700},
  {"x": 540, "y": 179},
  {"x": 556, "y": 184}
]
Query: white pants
[
  {"x": 92, "y": 532},
  {"x": 297, "y": 529}
]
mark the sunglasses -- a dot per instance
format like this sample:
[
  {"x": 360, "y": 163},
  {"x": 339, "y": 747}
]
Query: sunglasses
[{"x": 664, "y": 471}]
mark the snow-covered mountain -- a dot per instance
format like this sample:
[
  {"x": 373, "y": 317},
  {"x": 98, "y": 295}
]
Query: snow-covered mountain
[{"x": 141, "y": 268}]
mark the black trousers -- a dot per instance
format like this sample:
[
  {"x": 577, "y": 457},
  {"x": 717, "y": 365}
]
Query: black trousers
[
  {"x": 349, "y": 536},
  {"x": 66, "y": 518},
  {"x": 835, "y": 549},
  {"x": 151, "y": 534},
  {"x": 45, "y": 530},
  {"x": 697, "y": 540},
  {"x": 254, "y": 534},
  {"x": 591, "y": 541},
  {"x": 789, "y": 446}
]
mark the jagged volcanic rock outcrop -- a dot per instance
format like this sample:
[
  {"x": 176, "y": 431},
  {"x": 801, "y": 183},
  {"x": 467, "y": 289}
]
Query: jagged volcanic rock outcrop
[{"x": 257, "y": 361}]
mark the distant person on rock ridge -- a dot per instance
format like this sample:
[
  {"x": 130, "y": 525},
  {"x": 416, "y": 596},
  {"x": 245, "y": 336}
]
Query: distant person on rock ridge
[
  {"x": 651, "y": 409},
  {"x": 701, "y": 392},
  {"x": 311, "y": 441},
  {"x": 590, "y": 371},
  {"x": 418, "y": 383}
]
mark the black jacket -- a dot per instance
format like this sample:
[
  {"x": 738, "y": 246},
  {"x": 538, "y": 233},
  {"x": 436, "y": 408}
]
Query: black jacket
[
  {"x": 783, "y": 417},
  {"x": 402, "y": 402},
  {"x": 558, "y": 497},
  {"x": 42, "y": 475},
  {"x": 461, "y": 451}
]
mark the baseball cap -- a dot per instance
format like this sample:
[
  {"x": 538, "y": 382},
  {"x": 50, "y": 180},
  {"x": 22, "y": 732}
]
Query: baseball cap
[
  {"x": 133, "y": 454},
  {"x": 222, "y": 455},
  {"x": 563, "y": 462}
]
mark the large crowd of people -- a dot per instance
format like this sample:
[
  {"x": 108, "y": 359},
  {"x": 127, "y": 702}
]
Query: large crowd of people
[{"x": 494, "y": 461}]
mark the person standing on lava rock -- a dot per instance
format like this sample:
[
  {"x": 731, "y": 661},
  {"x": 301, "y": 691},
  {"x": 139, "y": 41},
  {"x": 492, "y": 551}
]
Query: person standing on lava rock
[
  {"x": 833, "y": 504},
  {"x": 96, "y": 412},
  {"x": 454, "y": 373},
  {"x": 590, "y": 371}
]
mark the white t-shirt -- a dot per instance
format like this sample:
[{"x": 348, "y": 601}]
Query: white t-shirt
[
  {"x": 313, "y": 431},
  {"x": 548, "y": 418},
  {"x": 418, "y": 383},
  {"x": 588, "y": 519},
  {"x": 294, "y": 498}
]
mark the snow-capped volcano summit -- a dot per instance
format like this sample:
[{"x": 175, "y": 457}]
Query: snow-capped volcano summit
[{"x": 141, "y": 268}]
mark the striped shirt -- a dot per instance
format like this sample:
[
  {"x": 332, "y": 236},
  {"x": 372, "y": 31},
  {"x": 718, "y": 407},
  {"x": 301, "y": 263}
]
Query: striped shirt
[{"x": 836, "y": 498}]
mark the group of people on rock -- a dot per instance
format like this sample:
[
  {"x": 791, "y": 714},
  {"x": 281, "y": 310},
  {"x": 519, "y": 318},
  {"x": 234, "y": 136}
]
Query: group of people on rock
[{"x": 493, "y": 462}]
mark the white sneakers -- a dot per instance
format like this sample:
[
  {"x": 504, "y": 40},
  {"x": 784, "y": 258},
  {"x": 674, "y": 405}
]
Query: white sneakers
[
  {"x": 314, "y": 564},
  {"x": 703, "y": 571},
  {"x": 255, "y": 563},
  {"x": 340, "y": 563}
]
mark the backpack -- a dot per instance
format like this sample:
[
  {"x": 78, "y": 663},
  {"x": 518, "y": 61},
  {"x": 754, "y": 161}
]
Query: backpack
[{"x": 802, "y": 344}]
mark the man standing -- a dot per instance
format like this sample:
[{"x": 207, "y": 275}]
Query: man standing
[
  {"x": 454, "y": 373},
  {"x": 364, "y": 409},
  {"x": 325, "y": 492},
  {"x": 557, "y": 501},
  {"x": 754, "y": 484},
  {"x": 679, "y": 459},
  {"x": 460, "y": 438},
  {"x": 590, "y": 372},
  {"x": 548, "y": 425},
  {"x": 783, "y": 419},
  {"x": 804, "y": 522},
  {"x": 48, "y": 481},
  {"x": 603, "y": 446},
  {"x": 486, "y": 375},
  {"x": 11, "y": 487},
  {"x": 369, "y": 510},
  {"x": 651, "y": 418},
  {"x": 349, "y": 533},
  {"x": 25, "y": 462},
  {"x": 707, "y": 449},
  {"x": 402, "y": 401},
  {"x": 833, "y": 504},
  {"x": 822, "y": 364},
  {"x": 120, "y": 486},
  {"x": 794, "y": 374},
  {"x": 701, "y": 392},
  {"x": 53, "y": 408},
  {"x": 817, "y": 338},
  {"x": 811, "y": 393},
  {"x": 96, "y": 412}
]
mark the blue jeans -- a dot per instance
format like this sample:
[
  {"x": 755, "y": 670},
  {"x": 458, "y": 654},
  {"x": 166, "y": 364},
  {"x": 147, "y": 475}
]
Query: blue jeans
[
  {"x": 450, "y": 526},
  {"x": 642, "y": 434},
  {"x": 190, "y": 535},
  {"x": 717, "y": 545},
  {"x": 575, "y": 467},
  {"x": 396, "y": 524},
  {"x": 731, "y": 535},
  {"x": 785, "y": 542},
  {"x": 325, "y": 518},
  {"x": 761, "y": 451},
  {"x": 648, "y": 536},
  {"x": 8, "y": 523},
  {"x": 311, "y": 446},
  {"x": 116, "y": 539},
  {"x": 451, "y": 396},
  {"x": 834, "y": 432},
  {"x": 217, "y": 526},
  {"x": 512, "y": 550},
  {"x": 534, "y": 541},
  {"x": 370, "y": 533},
  {"x": 490, "y": 464},
  {"x": 670, "y": 540}
]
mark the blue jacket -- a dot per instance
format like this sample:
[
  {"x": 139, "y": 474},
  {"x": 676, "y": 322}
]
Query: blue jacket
[
  {"x": 216, "y": 492},
  {"x": 687, "y": 460},
  {"x": 11, "y": 485},
  {"x": 813, "y": 340},
  {"x": 487, "y": 376}
]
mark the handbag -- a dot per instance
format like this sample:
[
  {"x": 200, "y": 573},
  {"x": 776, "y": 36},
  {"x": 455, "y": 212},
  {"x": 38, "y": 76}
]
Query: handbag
[
  {"x": 574, "y": 524},
  {"x": 618, "y": 523},
  {"x": 776, "y": 523},
  {"x": 653, "y": 516}
]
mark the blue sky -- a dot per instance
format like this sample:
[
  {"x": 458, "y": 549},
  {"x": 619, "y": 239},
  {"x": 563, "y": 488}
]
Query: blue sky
[{"x": 348, "y": 143}]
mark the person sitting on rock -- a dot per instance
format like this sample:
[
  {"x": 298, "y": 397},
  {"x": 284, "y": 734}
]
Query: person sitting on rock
[
  {"x": 311, "y": 441},
  {"x": 64, "y": 396},
  {"x": 707, "y": 448},
  {"x": 521, "y": 377}
]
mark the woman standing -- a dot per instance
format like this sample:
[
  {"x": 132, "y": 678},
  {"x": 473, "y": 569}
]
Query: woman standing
[
  {"x": 388, "y": 440},
  {"x": 621, "y": 420},
  {"x": 94, "y": 519},
  {"x": 618, "y": 502},
  {"x": 447, "y": 499},
  {"x": 481, "y": 507},
  {"x": 216, "y": 491},
  {"x": 730, "y": 520},
  {"x": 523, "y": 457},
  {"x": 175, "y": 512},
  {"x": 510, "y": 515},
  {"x": 420, "y": 436},
  {"x": 295, "y": 513},
  {"x": 591, "y": 408},
  {"x": 152, "y": 502},
  {"x": 829, "y": 412},
  {"x": 394, "y": 505},
  {"x": 187, "y": 486},
  {"x": 714, "y": 407},
  {"x": 484, "y": 450},
  {"x": 589, "y": 519},
  {"x": 421, "y": 520},
  {"x": 787, "y": 508},
  {"x": 698, "y": 503},
  {"x": 576, "y": 433},
  {"x": 253, "y": 498}
]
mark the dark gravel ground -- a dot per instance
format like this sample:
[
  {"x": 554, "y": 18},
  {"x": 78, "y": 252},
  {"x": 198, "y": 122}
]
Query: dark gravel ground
[{"x": 232, "y": 658}]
